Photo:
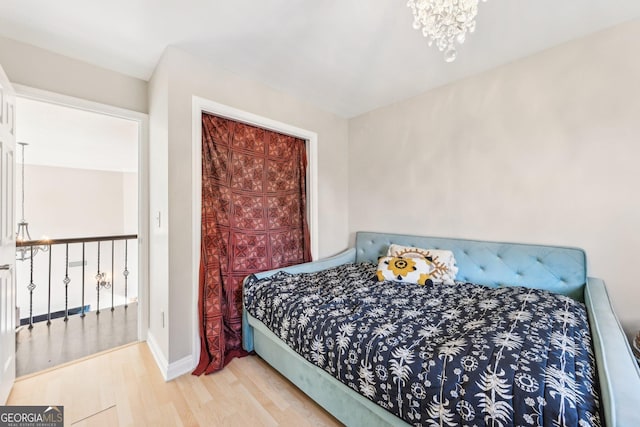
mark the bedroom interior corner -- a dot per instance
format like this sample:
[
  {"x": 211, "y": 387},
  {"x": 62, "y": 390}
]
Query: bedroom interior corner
[
  {"x": 177, "y": 79},
  {"x": 527, "y": 137}
]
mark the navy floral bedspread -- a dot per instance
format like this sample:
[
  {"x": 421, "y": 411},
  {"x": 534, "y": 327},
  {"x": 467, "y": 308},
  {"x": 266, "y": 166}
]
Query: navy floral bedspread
[{"x": 463, "y": 355}]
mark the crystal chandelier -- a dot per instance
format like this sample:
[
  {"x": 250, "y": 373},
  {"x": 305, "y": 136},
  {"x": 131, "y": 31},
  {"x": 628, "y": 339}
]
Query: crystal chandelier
[
  {"x": 22, "y": 235},
  {"x": 445, "y": 22}
]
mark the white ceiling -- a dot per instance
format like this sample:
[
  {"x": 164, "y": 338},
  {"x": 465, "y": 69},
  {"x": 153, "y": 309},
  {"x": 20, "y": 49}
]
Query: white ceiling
[
  {"x": 68, "y": 137},
  {"x": 347, "y": 56}
]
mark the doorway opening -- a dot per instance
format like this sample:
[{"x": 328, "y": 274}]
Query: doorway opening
[{"x": 78, "y": 272}]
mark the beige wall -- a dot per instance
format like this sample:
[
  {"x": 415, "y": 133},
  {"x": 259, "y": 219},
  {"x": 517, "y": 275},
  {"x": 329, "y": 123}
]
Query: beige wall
[
  {"x": 68, "y": 202},
  {"x": 543, "y": 150},
  {"x": 32, "y": 66},
  {"x": 159, "y": 204},
  {"x": 130, "y": 202},
  {"x": 188, "y": 76}
]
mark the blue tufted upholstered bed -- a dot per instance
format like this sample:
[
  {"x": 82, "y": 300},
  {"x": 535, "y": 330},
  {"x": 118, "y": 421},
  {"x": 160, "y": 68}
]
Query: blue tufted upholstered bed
[{"x": 560, "y": 270}]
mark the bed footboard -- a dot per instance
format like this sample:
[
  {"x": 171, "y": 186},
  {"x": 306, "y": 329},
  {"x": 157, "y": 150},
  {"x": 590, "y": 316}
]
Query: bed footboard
[{"x": 618, "y": 373}]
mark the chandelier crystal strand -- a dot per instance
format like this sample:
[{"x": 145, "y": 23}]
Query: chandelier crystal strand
[
  {"x": 445, "y": 22},
  {"x": 22, "y": 234},
  {"x": 22, "y": 175},
  {"x": 23, "y": 253}
]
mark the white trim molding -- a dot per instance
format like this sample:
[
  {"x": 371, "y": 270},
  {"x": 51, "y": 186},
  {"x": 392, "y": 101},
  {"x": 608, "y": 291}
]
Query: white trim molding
[
  {"x": 179, "y": 367},
  {"x": 168, "y": 370},
  {"x": 200, "y": 105},
  {"x": 157, "y": 354},
  {"x": 78, "y": 103}
]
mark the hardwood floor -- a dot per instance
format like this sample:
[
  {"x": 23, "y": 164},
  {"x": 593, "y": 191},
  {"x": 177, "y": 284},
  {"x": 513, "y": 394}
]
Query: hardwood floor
[
  {"x": 46, "y": 346},
  {"x": 123, "y": 387}
]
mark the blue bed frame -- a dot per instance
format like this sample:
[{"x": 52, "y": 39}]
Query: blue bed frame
[{"x": 558, "y": 269}]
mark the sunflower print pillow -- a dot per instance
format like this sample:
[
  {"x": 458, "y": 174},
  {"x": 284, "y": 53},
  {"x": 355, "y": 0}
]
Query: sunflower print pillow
[
  {"x": 406, "y": 270},
  {"x": 443, "y": 261}
]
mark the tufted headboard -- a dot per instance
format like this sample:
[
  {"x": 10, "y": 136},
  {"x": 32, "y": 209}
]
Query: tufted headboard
[{"x": 558, "y": 269}]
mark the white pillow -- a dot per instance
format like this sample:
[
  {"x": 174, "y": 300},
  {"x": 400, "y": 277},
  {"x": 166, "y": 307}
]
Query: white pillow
[
  {"x": 407, "y": 270},
  {"x": 443, "y": 261}
]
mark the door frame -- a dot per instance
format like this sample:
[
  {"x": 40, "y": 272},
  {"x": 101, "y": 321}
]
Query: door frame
[
  {"x": 143, "y": 181},
  {"x": 203, "y": 105},
  {"x": 7, "y": 237}
]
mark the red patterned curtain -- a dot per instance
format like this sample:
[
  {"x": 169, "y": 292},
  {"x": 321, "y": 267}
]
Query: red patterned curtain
[{"x": 253, "y": 219}]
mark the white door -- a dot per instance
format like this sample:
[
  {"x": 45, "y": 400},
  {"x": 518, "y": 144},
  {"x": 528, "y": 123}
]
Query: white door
[{"x": 7, "y": 238}]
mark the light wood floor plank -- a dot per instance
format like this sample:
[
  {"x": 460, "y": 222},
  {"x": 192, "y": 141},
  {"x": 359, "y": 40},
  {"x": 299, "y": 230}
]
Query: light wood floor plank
[
  {"x": 124, "y": 388},
  {"x": 106, "y": 418}
]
